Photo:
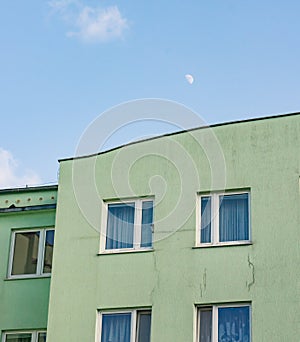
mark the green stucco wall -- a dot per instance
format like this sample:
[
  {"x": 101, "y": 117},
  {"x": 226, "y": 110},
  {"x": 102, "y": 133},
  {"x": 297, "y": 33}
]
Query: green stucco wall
[
  {"x": 24, "y": 302},
  {"x": 262, "y": 156}
]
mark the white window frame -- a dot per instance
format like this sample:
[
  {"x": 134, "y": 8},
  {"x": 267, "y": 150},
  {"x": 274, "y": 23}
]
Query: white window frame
[
  {"x": 34, "y": 334},
  {"x": 137, "y": 234},
  {"x": 215, "y": 318},
  {"x": 134, "y": 321},
  {"x": 41, "y": 253},
  {"x": 215, "y": 205}
]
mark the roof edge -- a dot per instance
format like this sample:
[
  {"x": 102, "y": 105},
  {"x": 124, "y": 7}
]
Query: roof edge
[
  {"x": 27, "y": 208},
  {"x": 276, "y": 116},
  {"x": 29, "y": 188}
]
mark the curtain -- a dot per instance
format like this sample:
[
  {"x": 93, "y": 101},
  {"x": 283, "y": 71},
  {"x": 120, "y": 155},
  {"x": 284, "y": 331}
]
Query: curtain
[
  {"x": 234, "y": 218},
  {"x": 116, "y": 327},
  {"x": 205, "y": 325},
  {"x": 120, "y": 226},
  {"x": 147, "y": 221},
  {"x": 234, "y": 324},
  {"x": 205, "y": 219}
]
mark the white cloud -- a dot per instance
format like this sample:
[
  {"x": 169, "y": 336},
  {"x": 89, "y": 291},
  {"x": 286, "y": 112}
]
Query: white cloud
[
  {"x": 10, "y": 175},
  {"x": 90, "y": 24},
  {"x": 100, "y": 24},
  {"x": 60, "y": 5}
]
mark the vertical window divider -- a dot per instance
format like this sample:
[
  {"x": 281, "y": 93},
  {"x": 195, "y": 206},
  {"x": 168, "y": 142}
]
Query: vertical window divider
[
  {"x": 42, "y": 256},
  {"x": 103, "y": 229},
  {"x": 215, "y": 219},
  {"x": 138, "y": 223},
  {"x": 40, "y": 259},
  {"x": 249, "y": 216},
  {"x": 11, "y": 254},
  {"x": 197, "y": 325},
  {"x": 134, "y": 325},
  {"x": 215, "y": 322}
]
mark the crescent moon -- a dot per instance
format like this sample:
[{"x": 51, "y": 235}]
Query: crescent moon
[{"x": 189, "y": 78}]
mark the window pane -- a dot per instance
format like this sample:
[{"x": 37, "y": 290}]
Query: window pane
[
  {"x": 234, "y": 217},
  {"x": 120, "y": 226},
  {"x": 234, "y": 324},
  {"x": 42, "y": 337},
  {"x": 47, "y": 267},
  {"x": 205, "y": 325},
  {"x": 205, "y": 219},
  {"x": 147, "y": 221},
  {"x": 116, "y": 327},
  {"x": 144, "y": 327},
  {"x": 25, "y": 253},
  {"x": 18, "y": 338}
]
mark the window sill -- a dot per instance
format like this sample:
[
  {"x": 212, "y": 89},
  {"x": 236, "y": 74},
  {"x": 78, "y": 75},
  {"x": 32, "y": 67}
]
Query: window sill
[
  {"x": 31, "y": 276},
  {"x": 224, "y": 244},
  {"x": 126, "y": 251}
]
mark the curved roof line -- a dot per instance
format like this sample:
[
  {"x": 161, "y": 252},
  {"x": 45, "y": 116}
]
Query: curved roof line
[{"x": 277, "y": 116}]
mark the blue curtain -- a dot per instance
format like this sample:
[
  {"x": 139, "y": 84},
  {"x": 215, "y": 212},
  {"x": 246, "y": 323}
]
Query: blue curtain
[
  {"x": 234, "y": 324},
  {"x": 147, "y": 221},
  {"x": 116, "y": 327},
  {"x": 234, "y": 218},
  {"x": 205, "y": 219},
  {"x": 120, "y": 226}
]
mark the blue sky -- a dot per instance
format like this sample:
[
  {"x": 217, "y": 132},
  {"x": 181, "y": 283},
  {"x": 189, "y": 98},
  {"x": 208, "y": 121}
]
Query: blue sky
[{"x": 64, "y": 62}]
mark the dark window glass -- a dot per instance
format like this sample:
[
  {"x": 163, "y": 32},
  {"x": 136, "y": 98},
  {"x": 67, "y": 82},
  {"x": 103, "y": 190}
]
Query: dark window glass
[
  {"x": 42, "y": 337},
  {"x": 205, "y": 325},
  {"x": 25, "y": 254},
  {"x": 48, "y": 252},
  {"x": 144, "y": 327},
  {"x": 18, "y": 338},
  {"x": 205, "y": 219},
  {"x": 147, "y": 222}
]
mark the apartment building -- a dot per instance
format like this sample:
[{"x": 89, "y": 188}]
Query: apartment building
[
  {"x": 191, "y": 236},
  {"x": 27, "y": 221}
]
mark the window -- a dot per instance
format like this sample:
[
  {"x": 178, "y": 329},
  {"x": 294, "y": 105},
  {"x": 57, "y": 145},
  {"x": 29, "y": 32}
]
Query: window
[
  {"x": 223, "y": 323},
  {"x": 127, "y": 225},
  {"x": 125, "y": 326},
  {"x": 31, "y": 253},
  {"x": 34, "y": 336},
  {"x": 224, "y": 218}
]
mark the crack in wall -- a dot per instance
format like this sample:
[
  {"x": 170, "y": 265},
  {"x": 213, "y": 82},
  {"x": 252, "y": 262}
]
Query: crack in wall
[
  {"x": 203, "y": 283},
  {"x": 157, "y": 278},
  {"x": 251, "y": 266}
]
